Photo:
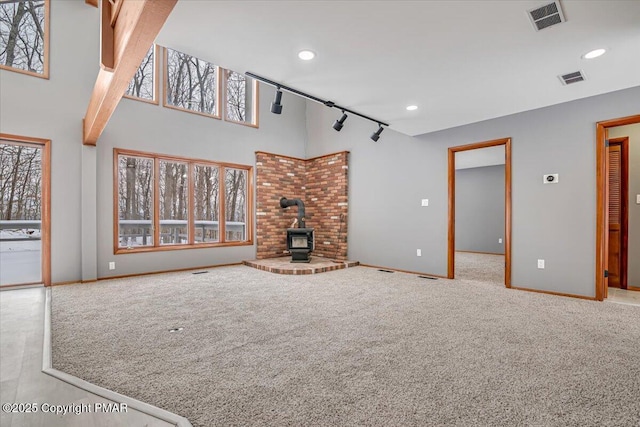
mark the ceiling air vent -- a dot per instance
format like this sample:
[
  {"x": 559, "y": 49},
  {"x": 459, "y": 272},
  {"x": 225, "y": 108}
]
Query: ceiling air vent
[
  {"x": 546, "y": 16},
  {"x": 574, "y": 77}
]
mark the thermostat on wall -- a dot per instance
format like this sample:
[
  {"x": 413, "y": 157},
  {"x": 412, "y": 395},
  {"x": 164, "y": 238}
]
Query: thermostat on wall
[{"x": 550, "y": 178}]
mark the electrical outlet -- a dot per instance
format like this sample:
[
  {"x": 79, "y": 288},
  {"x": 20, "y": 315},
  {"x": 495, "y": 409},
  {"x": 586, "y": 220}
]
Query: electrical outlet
[
  {"x": 550, "y": 178},
  {"x": 638, "y": 199},
  {"x": 418, "y": 252},
  {"x": 500, "y": 240},
  {"x": 112, "y": 265},
  {"x": 425, "y": 202},
  {"x": 541, "y": 264}
]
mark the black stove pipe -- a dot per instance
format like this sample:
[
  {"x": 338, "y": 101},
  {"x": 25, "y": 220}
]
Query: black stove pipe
[{"x": 285, "y": 203}]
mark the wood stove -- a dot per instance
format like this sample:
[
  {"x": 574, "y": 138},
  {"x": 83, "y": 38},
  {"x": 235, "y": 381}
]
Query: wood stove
[
  {"x": 300, "y": 240},
  {"x": 300, "y": 243}
]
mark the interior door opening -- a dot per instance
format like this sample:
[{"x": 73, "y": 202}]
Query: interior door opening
[
  {"x": 477, "y": 248},
  {"x": 617, "y": 206}
]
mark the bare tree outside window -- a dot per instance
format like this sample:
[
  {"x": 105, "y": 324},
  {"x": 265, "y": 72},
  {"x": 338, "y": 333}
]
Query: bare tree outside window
[
  {"x": 174, "y": 203},
  {"x": 240, "y": 91},
  {"x": 23, "y": 35},
  {"x": 20, "y": 182},
  {"x": 191, "y": 83},
  {"x": 135, "y": 201},
  {"x": 235, "y": 203},
  {"x": 142, "y": 85},
  {"x": 206, "y": 203},
  {"x": 218, "y": 192}
]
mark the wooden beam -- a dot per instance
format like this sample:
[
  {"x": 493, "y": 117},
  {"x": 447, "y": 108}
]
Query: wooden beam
[
  {"x": 93, "y": 3},
  {"x": 107, "y": 33},
  {"x": 137, "y": 24}
]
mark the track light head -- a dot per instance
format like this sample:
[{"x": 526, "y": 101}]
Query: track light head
[
  {"x": 376, "y": 135},
  {"x": 339, "y": 123},
  {"x": 276, "y": 106}
]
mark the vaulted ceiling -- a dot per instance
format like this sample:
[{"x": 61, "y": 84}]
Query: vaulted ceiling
[{"x": 459, "y": 61}]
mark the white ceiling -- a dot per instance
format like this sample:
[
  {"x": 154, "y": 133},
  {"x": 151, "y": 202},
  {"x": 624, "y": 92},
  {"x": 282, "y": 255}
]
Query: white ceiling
[
  {"x": 488, "y": 156},
  {"x": 459, "y": 61}
]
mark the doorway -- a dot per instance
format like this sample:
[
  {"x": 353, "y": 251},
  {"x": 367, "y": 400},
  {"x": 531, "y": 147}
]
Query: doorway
[
  {"x": 24, "y": 211},
  {"x": 506, "y": 142},
  {"x": 613, "y": 207}
]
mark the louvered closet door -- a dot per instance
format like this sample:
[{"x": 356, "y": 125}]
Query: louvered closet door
[{"x": 615, "y": 214}]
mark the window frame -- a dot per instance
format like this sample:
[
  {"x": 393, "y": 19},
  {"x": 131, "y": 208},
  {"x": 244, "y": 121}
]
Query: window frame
[
  {"x": 165, "y": 87},
  {"x": 255, "y": 123},
  {"x": 45, "y": 53},
  {"x": 191, "y": 163},
  {"x": 156, "y": 77}
]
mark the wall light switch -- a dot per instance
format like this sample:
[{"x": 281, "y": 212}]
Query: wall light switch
[
  {"x": 638, "y": 199},
  {"x": 500, "y": 240},
  {"x": 425, "y": 202},
  {"x": 419, "y": 252},
  {"x": 112, "y": 265},
  {"x": 541, "y": 263}
]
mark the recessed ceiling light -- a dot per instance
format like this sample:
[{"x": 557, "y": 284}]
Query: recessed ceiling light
[
  {"x": 306, "y": 55},
  {"x": 594, "y": 54},
  {"x": 412, "y": 107}
]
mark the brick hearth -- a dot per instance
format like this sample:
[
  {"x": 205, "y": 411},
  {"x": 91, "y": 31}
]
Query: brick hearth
[{"x": 283, "y": 265}]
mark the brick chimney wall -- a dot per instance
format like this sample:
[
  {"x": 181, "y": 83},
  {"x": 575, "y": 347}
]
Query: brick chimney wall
[
  {"x": 276, "y": 177},
  {"x": 321, "y": 183},
  {"x": 326, "y": 203}
]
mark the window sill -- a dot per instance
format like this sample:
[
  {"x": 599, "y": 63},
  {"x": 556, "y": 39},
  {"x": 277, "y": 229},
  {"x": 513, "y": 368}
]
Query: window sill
[
  {"x": 121, "y": 251},
  {"x": 186, "y": 110},
  {"x": 247, "y": 124},
  {"x": 43, "y": 75},
  {"x": 146, "y": 101}
]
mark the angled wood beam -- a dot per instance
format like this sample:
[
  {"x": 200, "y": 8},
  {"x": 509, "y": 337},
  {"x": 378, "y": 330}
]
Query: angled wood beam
[
  {"x": 93, "y": 3},
  {"x": 136, "y": 23}
]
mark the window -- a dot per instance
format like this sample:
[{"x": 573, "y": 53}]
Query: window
[
  {"x": 143, "y": 86},
  {"x": 192, "y": 196},
  {"x": 173, "y": 203},
  {"x": 135, "y": 201},
  {"x": 191, "y": 84},
  {"x": 235, "y": 204},
  {"x": 241, "y": 99},
  {"x": 24, "y": 36},
  {"x": 206, "y": 203}
]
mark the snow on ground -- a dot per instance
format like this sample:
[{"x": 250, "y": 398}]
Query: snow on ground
[
  {"x": 20, "y": 260},
  {"x": 20, "y": 245}
]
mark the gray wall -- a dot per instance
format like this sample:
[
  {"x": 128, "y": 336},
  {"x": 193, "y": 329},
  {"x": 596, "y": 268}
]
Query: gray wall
[
  {"x": 551, "y": 222},
  {"x": 82, "y": 177},
  {"x": 387, "y": 178},
  {"x": 633, "y": 132},
  {"x": 480, "y": 209},
  {"x": 53, "y": 109}
]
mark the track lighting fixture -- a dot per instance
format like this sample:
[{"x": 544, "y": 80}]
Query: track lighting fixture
[
  {"x": 276, "y": 106},
  {"x": 339, "y": 123},
  {"x": 376, "y": 135}
]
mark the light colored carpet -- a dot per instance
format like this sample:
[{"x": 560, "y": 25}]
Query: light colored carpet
[
  {"x": 479, "y": 267},
  {"x": 351, "y": 347}
]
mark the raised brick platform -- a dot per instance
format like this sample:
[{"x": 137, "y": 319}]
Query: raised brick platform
[{"x": 283, "y": 265}]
